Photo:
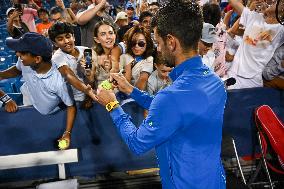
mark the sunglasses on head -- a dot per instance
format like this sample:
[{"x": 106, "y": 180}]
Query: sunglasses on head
[{"x": 139, "y": 43}]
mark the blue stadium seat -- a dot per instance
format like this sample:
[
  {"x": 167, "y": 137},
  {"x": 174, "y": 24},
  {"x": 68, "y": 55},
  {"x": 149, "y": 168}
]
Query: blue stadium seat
[
  {"x": 17, "y": 85},
  {"x": 6, "y": 61},
  {"x": 11, "y": 85},
  {"x": 3, "y": 64},
  {"x": 9, "y": 60},
  {"x": 6, "y": 86}
]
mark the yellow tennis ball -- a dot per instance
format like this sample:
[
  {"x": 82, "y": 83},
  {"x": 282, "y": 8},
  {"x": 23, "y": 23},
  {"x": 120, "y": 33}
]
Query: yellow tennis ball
[
  {"x": 106, "y": 85},
  {"x": 62, "y": 144}
]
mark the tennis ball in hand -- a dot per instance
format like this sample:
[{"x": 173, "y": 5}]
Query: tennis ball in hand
[
  {"x": 106, "y": 85},
  {"x": 62, "y": 144}
]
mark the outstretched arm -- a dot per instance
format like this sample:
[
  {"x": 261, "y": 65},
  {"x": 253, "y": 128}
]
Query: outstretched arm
[
  {"x": 84, "y": 17},
  {"x": 65, "y": 140},
  {"x": 237, "y": 5},
  {"x": 71, "y": 78},
  {"x": 70, "y": 117},
  {"x": 154, "y": 130},
  {"x": 10, "y": 73}
]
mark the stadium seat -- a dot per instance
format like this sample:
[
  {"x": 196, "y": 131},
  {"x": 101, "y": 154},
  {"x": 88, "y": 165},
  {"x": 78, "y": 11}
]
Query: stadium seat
[{"x": 11, "y": 85}]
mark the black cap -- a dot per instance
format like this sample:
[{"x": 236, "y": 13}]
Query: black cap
[{"x": 33, "y": 43}]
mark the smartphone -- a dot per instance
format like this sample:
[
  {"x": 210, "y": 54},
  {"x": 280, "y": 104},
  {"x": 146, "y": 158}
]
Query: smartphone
[{"x": 88, "y": 58}]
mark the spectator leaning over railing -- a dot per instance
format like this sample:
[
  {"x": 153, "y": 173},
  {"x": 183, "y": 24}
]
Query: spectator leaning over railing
[{"x": 47, "y": 89}]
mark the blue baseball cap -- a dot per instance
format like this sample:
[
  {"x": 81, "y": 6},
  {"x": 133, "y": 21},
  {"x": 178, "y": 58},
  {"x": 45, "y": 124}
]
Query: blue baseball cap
[
  {"x": 129, "y": 6},
  {"x": 33, "y": 43}
]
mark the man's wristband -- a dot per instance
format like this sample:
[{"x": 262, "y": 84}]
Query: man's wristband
[
  {"x": 5, "y": 99},
  {"x": 111, "y": 105}
]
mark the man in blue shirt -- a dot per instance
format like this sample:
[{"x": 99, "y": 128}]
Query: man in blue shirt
[{"x": 185, "y": 120}]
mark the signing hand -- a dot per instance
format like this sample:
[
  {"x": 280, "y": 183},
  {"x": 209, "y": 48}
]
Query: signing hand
[{"x": 121, "y": 83}]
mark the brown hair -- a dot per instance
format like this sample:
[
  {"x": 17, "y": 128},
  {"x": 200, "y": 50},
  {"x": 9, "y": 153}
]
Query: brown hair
[
  {"x": 128, "y": 40},
  {"x": 98, "y": 47}
]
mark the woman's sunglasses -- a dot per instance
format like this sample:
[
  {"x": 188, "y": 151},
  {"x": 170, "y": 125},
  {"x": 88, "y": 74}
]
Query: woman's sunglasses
[{"x": 139, "y": 43}]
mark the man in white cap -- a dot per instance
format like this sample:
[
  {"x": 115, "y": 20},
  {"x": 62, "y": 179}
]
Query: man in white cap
[
  {"x": 205, "y": 44},
  {"x": 122, "y": 21}
]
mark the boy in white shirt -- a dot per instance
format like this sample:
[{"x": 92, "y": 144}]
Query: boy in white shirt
[{"x": 67, "y": 59}]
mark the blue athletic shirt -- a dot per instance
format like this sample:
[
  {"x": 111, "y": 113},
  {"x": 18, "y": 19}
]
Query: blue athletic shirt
[{"x": 184, "y": 125}]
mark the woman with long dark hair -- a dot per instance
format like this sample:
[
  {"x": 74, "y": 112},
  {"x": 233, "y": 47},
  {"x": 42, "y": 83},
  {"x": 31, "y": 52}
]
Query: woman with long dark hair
[{"x": 138, "y": 60}]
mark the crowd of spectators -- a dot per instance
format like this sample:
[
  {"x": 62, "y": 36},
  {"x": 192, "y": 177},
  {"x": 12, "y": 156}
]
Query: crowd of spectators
[{"x": 240, "y": 40}]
